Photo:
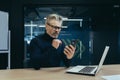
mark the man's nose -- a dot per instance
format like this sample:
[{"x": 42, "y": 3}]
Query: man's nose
[{"x": 57, "y": 29}]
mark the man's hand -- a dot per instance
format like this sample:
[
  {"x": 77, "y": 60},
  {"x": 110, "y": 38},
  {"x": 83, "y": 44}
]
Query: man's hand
[
  {"x": 69, "y": 51},
  {"x": 56, "y": 43}
]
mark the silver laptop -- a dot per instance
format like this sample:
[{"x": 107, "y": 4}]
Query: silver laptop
[{"x": 89, "y": 70}]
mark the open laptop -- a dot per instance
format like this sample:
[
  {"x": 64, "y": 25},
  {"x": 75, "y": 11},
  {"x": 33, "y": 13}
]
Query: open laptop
[{"x": 89, "y": 70}]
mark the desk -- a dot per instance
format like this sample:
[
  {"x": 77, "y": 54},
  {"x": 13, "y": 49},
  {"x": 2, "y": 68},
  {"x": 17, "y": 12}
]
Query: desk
[{"x": 55, "y": 74}]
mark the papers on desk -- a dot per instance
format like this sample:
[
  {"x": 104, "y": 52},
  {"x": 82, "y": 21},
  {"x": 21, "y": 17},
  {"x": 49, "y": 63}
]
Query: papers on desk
[{"x": 112, "y": 77}]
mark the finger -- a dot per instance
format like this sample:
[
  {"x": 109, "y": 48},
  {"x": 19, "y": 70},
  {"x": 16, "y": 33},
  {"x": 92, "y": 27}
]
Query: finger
[
  {"x": 67, "y": 52},
  {"x": 68, "y": 49},
  {"x": 68, "y": 55},
  {"x": 72, "y": 47}
]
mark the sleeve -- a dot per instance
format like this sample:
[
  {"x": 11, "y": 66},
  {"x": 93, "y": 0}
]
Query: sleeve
[{"x": 38, "y": 57}]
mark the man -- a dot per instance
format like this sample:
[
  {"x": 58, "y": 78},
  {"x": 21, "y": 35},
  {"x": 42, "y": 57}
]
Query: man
[{"x": 47, "y": 50}]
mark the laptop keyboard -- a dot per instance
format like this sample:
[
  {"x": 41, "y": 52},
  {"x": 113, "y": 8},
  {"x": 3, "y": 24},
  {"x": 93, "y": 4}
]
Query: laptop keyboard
[{"x": 86, "y": 69}]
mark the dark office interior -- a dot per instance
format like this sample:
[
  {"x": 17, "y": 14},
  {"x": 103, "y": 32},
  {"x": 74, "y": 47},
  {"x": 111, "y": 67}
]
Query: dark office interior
[{"x": 102, "y": 19}]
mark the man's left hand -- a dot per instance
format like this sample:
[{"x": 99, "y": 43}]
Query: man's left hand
[{"x": 69, "y": 51}]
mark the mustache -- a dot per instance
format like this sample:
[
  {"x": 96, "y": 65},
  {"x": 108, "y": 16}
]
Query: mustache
[{"x": 55, "y": 33}]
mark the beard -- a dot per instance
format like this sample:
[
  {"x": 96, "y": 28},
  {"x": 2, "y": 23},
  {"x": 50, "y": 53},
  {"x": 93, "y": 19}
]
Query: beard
[{"x": 55, "y": 34}]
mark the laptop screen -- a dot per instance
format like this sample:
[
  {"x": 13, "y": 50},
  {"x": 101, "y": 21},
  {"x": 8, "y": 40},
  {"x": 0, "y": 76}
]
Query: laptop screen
[{"x": 103, "y": 57}]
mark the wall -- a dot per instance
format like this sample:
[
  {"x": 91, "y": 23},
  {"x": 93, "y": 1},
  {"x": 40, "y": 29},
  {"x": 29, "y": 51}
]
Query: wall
[{"x": 3, "y": 57}]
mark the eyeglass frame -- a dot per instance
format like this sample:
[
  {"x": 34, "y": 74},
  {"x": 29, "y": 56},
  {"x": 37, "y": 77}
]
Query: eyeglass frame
[{"x": 54, "y": 27}]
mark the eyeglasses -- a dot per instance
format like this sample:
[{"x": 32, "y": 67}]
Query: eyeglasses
[{"x": 54, "y": 27}]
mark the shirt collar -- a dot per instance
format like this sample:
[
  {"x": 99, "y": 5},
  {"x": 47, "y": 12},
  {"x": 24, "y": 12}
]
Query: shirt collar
[{"x": 48, "y": 37}]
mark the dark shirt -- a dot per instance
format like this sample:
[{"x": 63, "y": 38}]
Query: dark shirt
[{"x": 43, "y": 54}]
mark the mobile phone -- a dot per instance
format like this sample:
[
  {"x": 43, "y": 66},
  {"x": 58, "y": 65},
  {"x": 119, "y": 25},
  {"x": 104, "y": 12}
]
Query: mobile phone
[{"x": 74, "y": 42}]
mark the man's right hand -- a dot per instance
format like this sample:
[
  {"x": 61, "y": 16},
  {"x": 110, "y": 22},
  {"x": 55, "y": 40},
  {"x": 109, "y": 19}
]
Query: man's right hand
[{"x": 56, "y": 43}]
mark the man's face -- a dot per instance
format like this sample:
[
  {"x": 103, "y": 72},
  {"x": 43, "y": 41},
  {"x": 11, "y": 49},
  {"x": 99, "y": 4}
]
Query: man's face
[{"x": 53, "y": 28}]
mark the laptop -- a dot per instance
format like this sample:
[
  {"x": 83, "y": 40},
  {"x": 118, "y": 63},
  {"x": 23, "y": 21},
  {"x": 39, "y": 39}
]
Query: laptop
[{"x": 89, "y": 70}]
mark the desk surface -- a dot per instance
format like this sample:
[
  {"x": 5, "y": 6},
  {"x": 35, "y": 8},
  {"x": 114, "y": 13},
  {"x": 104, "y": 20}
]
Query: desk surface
[{"x": 55, "y": 74}]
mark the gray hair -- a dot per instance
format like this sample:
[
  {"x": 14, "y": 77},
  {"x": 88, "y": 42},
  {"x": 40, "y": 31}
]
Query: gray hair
[{"x": 54, "y": 17}]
